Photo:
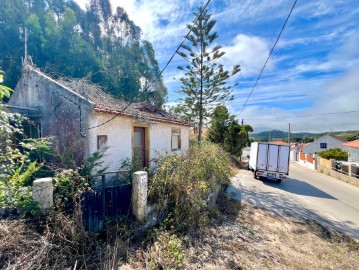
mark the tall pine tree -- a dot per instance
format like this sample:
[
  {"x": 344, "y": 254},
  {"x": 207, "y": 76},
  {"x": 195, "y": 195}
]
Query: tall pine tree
[{"x": 204, "y": 84}]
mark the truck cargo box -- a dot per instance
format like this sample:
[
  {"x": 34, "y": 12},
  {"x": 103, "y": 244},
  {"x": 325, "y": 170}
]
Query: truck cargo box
[{"x": 269, "y": 160}]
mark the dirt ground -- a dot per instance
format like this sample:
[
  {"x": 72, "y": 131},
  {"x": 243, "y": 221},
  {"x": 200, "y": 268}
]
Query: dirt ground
[
  {"x": 255, "y": 239},
  {"x": 243, "y": 237}
]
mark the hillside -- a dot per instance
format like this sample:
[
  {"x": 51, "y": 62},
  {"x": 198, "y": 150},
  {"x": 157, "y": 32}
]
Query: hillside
[
  {"x": 300, "y": 136},
  {"x": 98, "y": 43}
]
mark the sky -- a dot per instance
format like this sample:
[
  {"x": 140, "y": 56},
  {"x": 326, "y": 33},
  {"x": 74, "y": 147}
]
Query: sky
[{"x": 314, "y": 69}]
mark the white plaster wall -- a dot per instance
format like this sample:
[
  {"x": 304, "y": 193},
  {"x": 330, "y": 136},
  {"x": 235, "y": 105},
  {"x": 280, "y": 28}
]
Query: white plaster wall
[
  {"x": 353, "y": 153},
  {"x": 302, "y": 162},
  {"x": 160, "y": 141},
  {"x": 119, "y": 138},
  {"x": 293, "y": 154},
  {"x": 314, "y": 147},
  {"x": 311, "y": 165}
]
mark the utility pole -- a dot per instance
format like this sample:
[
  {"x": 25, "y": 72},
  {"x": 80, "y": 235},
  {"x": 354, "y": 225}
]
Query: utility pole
[
  {"x": 242, "y": 122},
  {"x": 289, "y": 135},
  {"x": 269, "y": 137},
  {"x": 26, "y": 53}
]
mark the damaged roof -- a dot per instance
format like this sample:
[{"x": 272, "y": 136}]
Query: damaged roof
[{"x": 107, "y": 103}]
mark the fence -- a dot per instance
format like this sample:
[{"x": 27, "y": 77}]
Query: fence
[
  {"x": 114, "y": 197},
  {"x": 307, "y": 160},
  {"x": 343, "y": 171},
  {"x": 324, "y": 163},
  {"x": 111, "y": 198}
]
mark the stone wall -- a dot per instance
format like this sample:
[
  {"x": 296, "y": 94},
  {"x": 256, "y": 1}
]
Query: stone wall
[
  {"x": 343, "y": 175},
  {"x": 64, "y": 114}
]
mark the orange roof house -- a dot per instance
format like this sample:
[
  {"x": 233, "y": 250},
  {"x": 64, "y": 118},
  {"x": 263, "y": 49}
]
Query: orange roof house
[
  {"x": 279, "y": 142},
  {"x": 353, "y": 149},
  {"x": 354, "y": 144}
]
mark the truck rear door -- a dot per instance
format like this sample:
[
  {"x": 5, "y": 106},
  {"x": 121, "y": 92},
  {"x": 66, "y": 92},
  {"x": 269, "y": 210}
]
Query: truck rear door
[
  {"x": 273, "y": 158},
  {"x": 262, "y": 156},
  {"x": 283, "y": 159}
]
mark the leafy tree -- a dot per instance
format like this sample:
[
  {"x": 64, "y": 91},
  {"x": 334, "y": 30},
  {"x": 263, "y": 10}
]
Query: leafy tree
[
  {"x": 4, "y": 90},
  {"x": 246, "y": 129},
  {"x": 68, "y": 41},
  {"x": 205, "y": 82},
  {"x": 353, "y": 137},
  {"x": 219, "y": 125},
  {"x": 227, "y": 132},
  {"x": 334, "y": 153}
]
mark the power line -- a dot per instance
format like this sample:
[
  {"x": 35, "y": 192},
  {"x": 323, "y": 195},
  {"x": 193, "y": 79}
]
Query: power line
[
  {"x": 270, "y": 54},
  {"x": 159, "y": 75},
  {"x": 302, "y": 116}
]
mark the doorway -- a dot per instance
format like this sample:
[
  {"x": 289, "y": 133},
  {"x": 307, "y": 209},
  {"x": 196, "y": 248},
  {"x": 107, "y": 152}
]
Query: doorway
[{"x": 139, "y": 148}]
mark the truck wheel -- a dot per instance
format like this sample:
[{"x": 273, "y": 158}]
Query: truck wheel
[
  {"x": 255, "y": 175},
  {"x": 279, "y": 181}
]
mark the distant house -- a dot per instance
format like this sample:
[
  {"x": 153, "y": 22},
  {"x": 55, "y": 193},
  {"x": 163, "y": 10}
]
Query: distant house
[
  {"x": 323, "y": 143},
  {"x": 279, "y": 142},
  {"x": 295, "y": 149},
  {"x": 83, "y": 119},
  {"x": 353, "y": 149}
]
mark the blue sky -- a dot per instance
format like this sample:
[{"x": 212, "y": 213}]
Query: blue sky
[{"x": 314, "y": 69}]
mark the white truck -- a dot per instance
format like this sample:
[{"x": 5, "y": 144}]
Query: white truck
[{"x": 269, "y": 161}]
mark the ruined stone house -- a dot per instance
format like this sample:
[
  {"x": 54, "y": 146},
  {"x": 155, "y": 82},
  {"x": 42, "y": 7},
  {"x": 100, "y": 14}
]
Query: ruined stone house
[{"x": 82, "y": 119}]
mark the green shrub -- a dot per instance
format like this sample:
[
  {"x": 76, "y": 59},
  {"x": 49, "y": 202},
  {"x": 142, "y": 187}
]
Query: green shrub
[
  {"x": 167, "y": 252},
  {"x": 182, "y": 184},
  {"x": 334, "y": 153},
  {"x": 69, "y": 185},
  {"x": 17, "y": 168}
]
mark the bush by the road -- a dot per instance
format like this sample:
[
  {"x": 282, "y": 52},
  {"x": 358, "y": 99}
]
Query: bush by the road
[
  {"x": 334, "y": 153},
  {"x": 181, "y": 184}
]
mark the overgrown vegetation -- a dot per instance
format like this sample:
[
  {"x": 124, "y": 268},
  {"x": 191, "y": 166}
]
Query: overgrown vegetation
[
  {"x": 226, "y": 131},
  {"x": 17, "y": 164},
  {"x": 353, "y": 137},
  {"x": 183, "y": 184},
  {"x": 334, "y": 153}
]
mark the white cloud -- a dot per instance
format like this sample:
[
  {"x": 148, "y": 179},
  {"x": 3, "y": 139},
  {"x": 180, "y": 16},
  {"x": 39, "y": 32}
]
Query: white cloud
[
  {"x": 336, "y": 95},
  {"x": 321, "y": 38},
  {"x": 249, "y": 52}
]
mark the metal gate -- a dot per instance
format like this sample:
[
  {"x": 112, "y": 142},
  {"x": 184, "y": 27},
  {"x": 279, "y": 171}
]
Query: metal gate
[{"x": 111, "y": 199}]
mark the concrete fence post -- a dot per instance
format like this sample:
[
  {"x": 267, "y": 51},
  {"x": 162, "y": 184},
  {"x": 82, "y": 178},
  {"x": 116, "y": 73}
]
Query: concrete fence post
[
  {"x": 139, "y": 195},
  {"x": 350, "y": 170},
  {"x": 42, "y": 193},
  {"x": 332, "y": 164}
]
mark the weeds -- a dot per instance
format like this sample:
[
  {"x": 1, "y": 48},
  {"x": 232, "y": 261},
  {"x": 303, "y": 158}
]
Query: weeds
[
  {"x": 182, "y": 185},
  {"x": 332, "y": 236},
  {"x": 167, "y": 252}
]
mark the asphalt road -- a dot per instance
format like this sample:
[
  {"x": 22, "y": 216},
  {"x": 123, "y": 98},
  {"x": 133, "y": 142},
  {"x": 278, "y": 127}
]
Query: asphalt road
[{"x": 305, "y": 194}]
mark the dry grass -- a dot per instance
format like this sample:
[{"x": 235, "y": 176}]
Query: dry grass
[
  {"x": 255, "y": 239},
  {"x": 58, "y": 242},
  {"x": 250, "y": 238},
  {"x": 239, "y": 237}
]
